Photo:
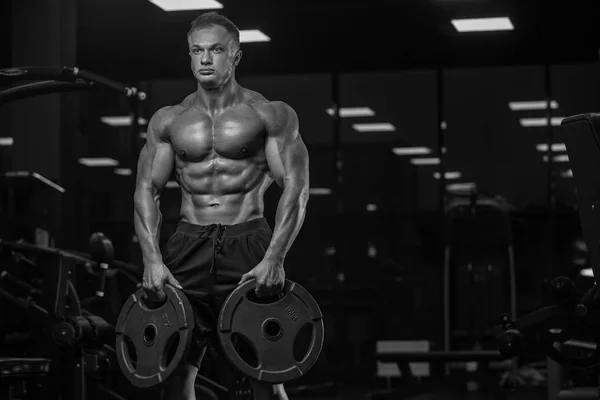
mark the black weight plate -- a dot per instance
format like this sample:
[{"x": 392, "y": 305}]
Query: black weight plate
[
  {"x": 153, "y": 333},
  {"x": 271, "y": 330}
]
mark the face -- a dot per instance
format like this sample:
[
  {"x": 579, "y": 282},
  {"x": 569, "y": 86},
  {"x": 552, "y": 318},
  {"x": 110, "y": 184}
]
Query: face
[{"x": 213, "y": 55}]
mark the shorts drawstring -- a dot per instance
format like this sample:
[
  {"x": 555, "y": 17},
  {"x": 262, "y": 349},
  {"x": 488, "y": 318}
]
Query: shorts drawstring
[{"x": 216, "y": 245}]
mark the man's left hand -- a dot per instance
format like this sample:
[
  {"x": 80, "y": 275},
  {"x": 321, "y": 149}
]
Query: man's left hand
[{"x": 269, "y": 275}]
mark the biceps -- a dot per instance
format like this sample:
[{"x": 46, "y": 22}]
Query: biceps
[{"x": 155, "y": 166}]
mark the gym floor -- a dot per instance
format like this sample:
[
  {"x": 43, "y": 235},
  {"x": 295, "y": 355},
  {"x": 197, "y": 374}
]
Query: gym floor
[{"x": 518, "y": 394}]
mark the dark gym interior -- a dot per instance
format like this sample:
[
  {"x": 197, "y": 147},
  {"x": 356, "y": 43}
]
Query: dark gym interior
[{"x": 450, "y": 239}]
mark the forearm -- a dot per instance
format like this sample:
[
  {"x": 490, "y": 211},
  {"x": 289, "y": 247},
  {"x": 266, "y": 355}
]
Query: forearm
[
  {"x": 147, "y": 221},
  {"x": 288, "y": 221}
]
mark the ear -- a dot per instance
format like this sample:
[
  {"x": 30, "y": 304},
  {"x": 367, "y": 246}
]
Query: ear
[{"x": 237, "y": 57}]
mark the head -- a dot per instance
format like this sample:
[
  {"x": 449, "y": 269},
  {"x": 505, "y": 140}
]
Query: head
[{"x": 214, "y": 48}]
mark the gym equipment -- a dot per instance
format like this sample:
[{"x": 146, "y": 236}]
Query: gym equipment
[
  {"x": 64, "y": 79},
  {"x": 274, "y": 329},
  {"x": 151, "y": 342},
  {"x": 477, "y": 227},
  {"x": 568, "y": 331},
  {"x": 81, "y": 351}
]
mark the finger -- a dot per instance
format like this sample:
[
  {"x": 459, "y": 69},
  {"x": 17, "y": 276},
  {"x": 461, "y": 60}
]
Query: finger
[
  {"x": 246, "y": 277},
  {"x": 175, "y": 282},
  {"x": 261, "y": 288}
]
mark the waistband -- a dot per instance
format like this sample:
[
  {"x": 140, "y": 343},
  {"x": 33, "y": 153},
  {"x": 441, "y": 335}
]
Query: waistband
[{"x": 243, "y": 228}]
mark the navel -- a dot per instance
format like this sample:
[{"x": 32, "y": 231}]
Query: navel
[
  {"x": 244, "y": 150},
  {"x": 182, "y": 153}
]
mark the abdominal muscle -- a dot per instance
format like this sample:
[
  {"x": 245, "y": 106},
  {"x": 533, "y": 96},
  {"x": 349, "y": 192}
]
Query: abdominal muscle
[{"x": 222, "y": 191}]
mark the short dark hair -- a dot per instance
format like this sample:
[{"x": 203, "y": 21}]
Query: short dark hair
[{"x": 213, "y": 18}]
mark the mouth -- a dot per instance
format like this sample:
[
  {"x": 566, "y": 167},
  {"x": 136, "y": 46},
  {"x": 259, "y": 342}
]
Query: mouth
[{"x": 206, "y": 71}]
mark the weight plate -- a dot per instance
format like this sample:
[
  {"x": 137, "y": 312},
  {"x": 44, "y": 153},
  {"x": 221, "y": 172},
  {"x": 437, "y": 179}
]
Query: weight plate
[
  {"x": 152, "y": 342},
  {"x": 285, "y": 334}
]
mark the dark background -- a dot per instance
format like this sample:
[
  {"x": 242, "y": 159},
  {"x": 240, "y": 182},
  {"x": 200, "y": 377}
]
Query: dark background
[{"x": 401, "y": 59}]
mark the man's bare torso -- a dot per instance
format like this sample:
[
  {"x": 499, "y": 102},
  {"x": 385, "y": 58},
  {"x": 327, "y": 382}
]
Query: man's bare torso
[{"x": 220, "y": 160}]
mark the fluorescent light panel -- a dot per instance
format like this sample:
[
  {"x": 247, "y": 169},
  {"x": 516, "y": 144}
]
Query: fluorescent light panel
[
  {"x": 460, "y": 186},
  {"x": 531, "y": 105},
  {"x": 122, "y": 120},
  {"x": 346, "y": 112},
  {"x": 483, "y": 24},
  {"x": 253, "y": 35},
  {"x": 6, "y": 141},
  {"x": 376, "y": 127},
  {"x": 411, "y": 151},
  {"x": 558, "y": 158},
  {"x": 186, "y": 5},
  {"x": 425, "y": 161},
  {"x": 587, "y": 272},
  {"x": 319, "y": 191},
  {"x": 537, "y": 122},
  {"x": 98, "y": 162},
  {"x": 371, "y": 207},
  {"x": 123, "y": 171},
  {"x": 448, "y": 175},
  {"x": 567, "y": 174},
  {"x": 48, "y": 182},
  {"x": 556, "y": 147}
]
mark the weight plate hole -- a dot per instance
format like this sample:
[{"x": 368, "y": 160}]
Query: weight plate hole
[
  {"x": 149, "y": 334},
  {"x": 245, "y": 349},
  {"x": 303, "y": 341},
  {"x": 130, "y": 351},
  {"x": 272, "y": 329},
  {"x": 171, "y": 349}
]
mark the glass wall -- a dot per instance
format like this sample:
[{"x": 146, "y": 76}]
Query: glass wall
[{"x": 487, "y": 139}]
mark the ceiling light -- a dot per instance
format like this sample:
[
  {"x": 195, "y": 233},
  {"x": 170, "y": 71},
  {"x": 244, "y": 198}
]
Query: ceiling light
[
  {"x": 558, "y": 158},
  {"x": 448, "y": 175},
  {"x": 172, "y": 184},
  {"x": 425, "y": 161},
  {"x": 144, "y": 135},
  {"x": 48, "y": 182},
  {"x": 531, "y": 105},
  {"x": 253, "y": 35},
  {"x": 537, "y": 122},
  {"x": 456, "y": 187},
  {"x": 319, "y": 191},
  {"x": 371, "y": 207},
  {"x": 556, "y": 147},
  {"x": 6, "y": 141},
  {"x": 353, "y": 112},
  {"x": 410, "y": 151},
  {"x": 98, "y": 162},
  {"x": 567, "y": 174},
  {"x": 26, "y": 174},
  {"x": 378, "y": 127},
  {"x": 482, "y": 24},
  {"x": 123, "y": 171},
  {"x": 587, "y": 272},
  {"x": 122, "y": 121},
  {"x": 186, "y": 5}
]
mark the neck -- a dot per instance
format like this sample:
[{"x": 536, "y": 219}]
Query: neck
[{"x": 218, "y": 98}]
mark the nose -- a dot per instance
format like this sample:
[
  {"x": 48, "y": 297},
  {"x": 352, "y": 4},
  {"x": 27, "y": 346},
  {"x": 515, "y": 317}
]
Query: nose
[{"x": 206, "y": 58}]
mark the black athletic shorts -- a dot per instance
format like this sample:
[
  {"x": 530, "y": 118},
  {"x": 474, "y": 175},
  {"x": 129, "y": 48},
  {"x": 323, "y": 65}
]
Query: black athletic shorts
[{"x": 209, "y": 261}]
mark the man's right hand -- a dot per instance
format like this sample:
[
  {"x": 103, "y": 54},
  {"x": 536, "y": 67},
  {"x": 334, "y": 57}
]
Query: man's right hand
[{"x": 155, "y": 278}]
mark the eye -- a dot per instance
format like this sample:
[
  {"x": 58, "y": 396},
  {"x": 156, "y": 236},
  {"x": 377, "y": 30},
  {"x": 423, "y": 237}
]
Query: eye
[
  {"x": 195, "y": 50},
  {"x": 218, "y": 50}
]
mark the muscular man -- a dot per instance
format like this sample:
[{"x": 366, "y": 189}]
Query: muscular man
[{"x": 226, "y": 145}]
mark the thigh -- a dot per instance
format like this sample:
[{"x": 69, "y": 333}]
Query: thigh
[
  {"x": 264, "y": 391},
  {"x": 181, "y": 384}
]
